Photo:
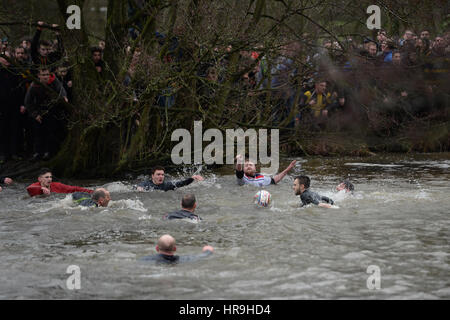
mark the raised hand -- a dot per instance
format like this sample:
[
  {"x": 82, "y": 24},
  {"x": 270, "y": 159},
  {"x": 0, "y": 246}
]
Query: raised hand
[
  {"x": 292, "y": 165},
  {"x": 239, "y": 162}
]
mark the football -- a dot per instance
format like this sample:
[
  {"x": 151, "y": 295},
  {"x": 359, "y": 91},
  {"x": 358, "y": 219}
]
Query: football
[{"x": 263, "y": 198}]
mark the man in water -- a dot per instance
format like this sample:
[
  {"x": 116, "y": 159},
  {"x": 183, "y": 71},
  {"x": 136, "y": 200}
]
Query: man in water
[
  {"x": 188, "y": 205},
  {"x": 46, "y": 186},
  {"x": 345, "y": 185},
  {"x": 166, "y": 252},
  {"x": 99, "y": 198},
  {"x": 246, "y": 174},
  {"x": 301, "y": 188},
  {"x": 158, "y": 183},
  {"x": 5, "y": 180}
]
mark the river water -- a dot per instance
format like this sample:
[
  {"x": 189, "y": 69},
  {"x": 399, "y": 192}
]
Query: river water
[{"x": 397, "y": 222}]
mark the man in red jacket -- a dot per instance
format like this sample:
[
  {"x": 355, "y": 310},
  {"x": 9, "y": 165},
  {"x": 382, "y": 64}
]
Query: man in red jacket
[{"x": 46, "y": 186}]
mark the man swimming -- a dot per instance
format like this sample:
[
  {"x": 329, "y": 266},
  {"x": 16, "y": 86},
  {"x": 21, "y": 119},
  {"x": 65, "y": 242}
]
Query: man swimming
[
  {"x": 246, "y": 174},
  {"x": 45, "y": 185},
  {"x": 345, "y": 185},
  {"x": 99, "y": 198},
  {"x": 166, "y": 252},
  {"x": 301, "y": 188},
  {"x": 188, "y": 205},
  {"x": 158, "y": 183}
]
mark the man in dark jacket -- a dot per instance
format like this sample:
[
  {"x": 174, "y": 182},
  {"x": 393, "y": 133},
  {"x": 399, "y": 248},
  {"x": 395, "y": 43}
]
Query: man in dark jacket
[
  {"x": 40, "y": 50},
  {"x": 301, "y": 188},
  {"x": 158, "y": 183},
  {"x": 10, "y": 101},
  {"x": 166, "y": 252},
  {"x": 188, "y": 205},
  {"x": 42, "y": 102}
]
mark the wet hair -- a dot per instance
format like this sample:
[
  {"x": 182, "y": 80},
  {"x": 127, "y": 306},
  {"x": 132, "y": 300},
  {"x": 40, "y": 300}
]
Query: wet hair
[
  {"x": 45, "y": 43},
  {"x": 98, "y": 194},
  {"x": 43, "y": 171},
  {"x": 348, "y": 185},
  {"x": 157, "y": 168},
  {"x": 42, "y": 68},
  {"x": 304, "y": 180},
  {"x": 96, "y": 49},
  {"x": 320, "y": 80},
  {"x": 188, "y": 201}
]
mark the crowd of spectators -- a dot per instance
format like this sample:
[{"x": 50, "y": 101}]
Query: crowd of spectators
[{"x": 307, "y": 83}]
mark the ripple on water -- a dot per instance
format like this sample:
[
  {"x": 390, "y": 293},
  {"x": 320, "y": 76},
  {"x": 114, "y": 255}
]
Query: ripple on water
[{"x": 397, "y": 219}]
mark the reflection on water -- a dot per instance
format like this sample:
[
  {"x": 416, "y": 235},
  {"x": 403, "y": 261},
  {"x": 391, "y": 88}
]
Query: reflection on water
[{"x": 398, "y": 220}]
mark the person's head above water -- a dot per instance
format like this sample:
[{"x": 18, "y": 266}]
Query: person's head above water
[
  {"x": 249, "y": 166},
  {"x": 345, "y": 185},
  {"x": 45, "y": 177},
  {"x": 301, "y": 183},
  {"x": 166, "y": 245},
  {"x": 188, "y": 202},
  {"x": 158, "y": 175},
  {"x": 101, "y": 196}
]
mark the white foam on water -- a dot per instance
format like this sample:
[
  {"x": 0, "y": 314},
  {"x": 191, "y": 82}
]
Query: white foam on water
[
  {"x": 341, "y": 196},
  {"x": 127, "y": 204},
  {"x": 66, "y": 203},
  {"x": 360, "y": 164},
  {"x": 431, "y": 164},
  {"x": 275, "y": 209},
  {"x": 118, "y": 187}
]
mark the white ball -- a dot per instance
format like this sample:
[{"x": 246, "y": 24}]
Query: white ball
[{"x": 262, "y": 198}]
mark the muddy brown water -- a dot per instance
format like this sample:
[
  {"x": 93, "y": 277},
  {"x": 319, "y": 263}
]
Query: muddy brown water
[{"x": 397, "y": 220}]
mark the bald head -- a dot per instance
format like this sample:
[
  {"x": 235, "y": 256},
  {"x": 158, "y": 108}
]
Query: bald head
[
  {"x": 166, "y": 244},
  {"x": 101, "y": 196}
]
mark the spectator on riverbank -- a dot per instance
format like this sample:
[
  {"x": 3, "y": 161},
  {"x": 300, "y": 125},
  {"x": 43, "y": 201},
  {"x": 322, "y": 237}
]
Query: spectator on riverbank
[
  {"x": 23, "y": 70},
  {"x": 11, "y": 99},
  {"x": 98, "y": 59},
  {"x": 43, "y": 103},
  {"x": 65, "y": 77},
  {"x": 41, "y": 51},
  {"x": 316, "y": 104},
  {"x": 408, "y": 35}
]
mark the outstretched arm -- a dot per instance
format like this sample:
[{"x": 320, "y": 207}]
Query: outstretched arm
[
  {"x": 282, "y": 174},
  {"x": 35, "y": 43}
]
